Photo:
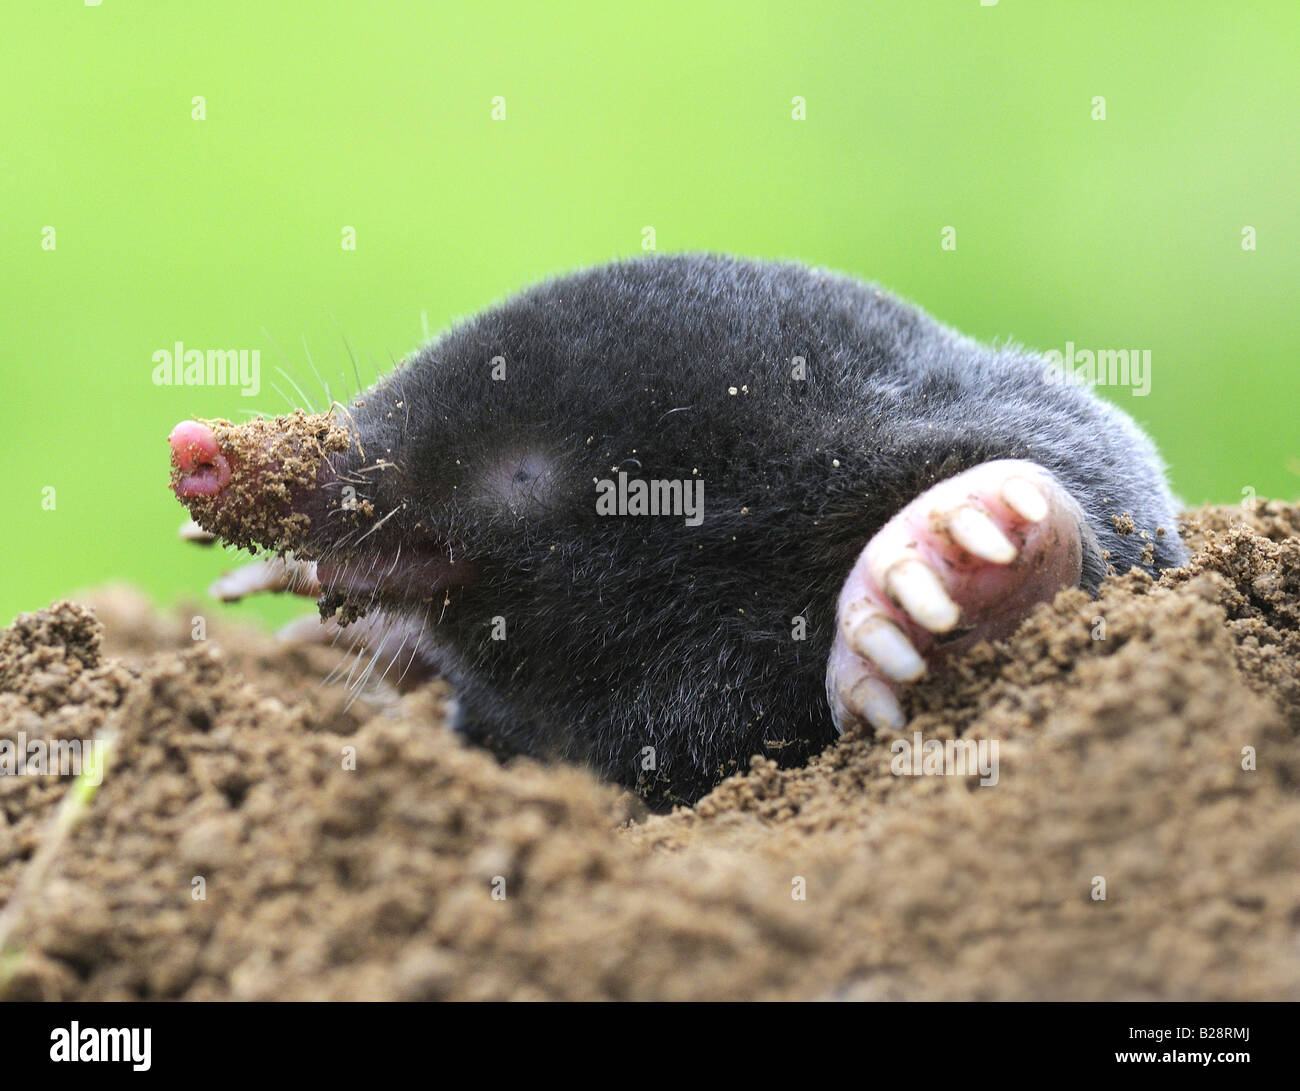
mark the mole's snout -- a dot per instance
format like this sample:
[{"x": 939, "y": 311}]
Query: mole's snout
[
  {"x": 260, "y": 484},
  {"x": 201, "y": 468}
]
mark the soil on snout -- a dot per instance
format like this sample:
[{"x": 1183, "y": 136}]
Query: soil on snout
[
  {"x": 1142, "y": 840},
  {"x": 271, "y": 462}
]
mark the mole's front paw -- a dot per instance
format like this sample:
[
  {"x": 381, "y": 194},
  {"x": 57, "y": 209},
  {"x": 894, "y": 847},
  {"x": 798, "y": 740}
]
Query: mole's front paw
[{"x": 963, "y": 562}]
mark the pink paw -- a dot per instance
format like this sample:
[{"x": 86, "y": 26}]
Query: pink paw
[{"x": 963, "y": 562}]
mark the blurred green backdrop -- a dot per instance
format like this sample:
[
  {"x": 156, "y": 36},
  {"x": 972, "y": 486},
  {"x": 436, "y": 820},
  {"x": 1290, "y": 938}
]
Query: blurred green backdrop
[{"x": 226, "y": 232}]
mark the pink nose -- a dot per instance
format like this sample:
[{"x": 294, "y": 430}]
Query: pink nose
[{"x": 204, "y": 470}]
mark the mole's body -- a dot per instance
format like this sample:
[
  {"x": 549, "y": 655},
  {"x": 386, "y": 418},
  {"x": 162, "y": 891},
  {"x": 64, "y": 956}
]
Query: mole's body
[{"x": 781, "y": 418}]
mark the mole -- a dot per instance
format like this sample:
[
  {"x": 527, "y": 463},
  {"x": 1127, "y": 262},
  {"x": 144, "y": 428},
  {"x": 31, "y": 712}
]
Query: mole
[{"x": 672, "y": 512}]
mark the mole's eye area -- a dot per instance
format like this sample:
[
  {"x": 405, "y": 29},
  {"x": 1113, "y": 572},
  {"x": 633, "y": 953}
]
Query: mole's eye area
[{"x": 520, "y": 480}]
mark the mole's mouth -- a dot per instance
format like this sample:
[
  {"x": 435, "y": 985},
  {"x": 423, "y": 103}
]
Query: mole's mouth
[{"x": 410, "y": 575}]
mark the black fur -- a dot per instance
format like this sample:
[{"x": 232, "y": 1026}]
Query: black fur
[{"x": 630, "y": 632}]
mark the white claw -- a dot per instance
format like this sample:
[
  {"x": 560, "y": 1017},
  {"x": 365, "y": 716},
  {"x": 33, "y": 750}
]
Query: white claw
[
  {"x": 1025, "y": 498},
  {"x": 874, "y": 701},
  {"x": 879, "y": 640},
  {"x": 920, "y": 593},
  {"x": 978, "y": 534},
  {"x": 276, "y": 574},
  {"x": 191, "y": 532}
]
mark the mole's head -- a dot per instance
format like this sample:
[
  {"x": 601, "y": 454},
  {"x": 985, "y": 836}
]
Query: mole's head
[
  {"x": 474, "y": 465},
  {"x": 498, "y": 472},
  {"x": 398, "y": 498}
]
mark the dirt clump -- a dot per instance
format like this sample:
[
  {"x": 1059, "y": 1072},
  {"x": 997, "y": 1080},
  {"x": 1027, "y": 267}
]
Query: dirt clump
[
  {"x": 272, "y": 462},
  {"x": 261, "y": 835}
]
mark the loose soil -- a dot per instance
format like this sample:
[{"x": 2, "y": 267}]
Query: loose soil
[{"x": 1147, "y": 750}]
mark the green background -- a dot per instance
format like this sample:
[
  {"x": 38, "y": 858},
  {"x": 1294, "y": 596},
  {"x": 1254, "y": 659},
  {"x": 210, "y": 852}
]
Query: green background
[{"x": 226, "y": 232}]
